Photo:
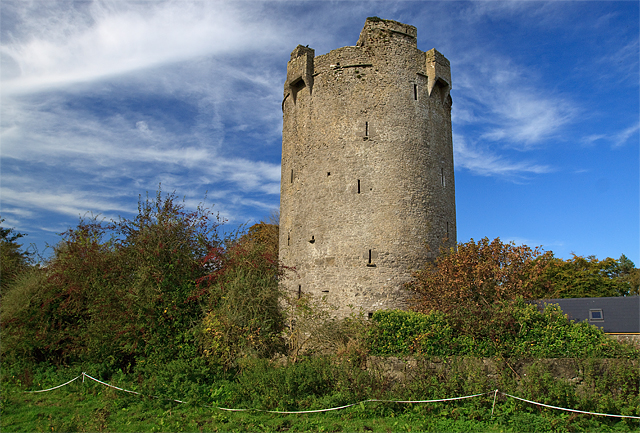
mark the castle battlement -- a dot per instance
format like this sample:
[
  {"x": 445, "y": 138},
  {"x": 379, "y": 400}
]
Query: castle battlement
[
  {"x": 377, "y": 30},
  {"x": 367, "y": 188}
]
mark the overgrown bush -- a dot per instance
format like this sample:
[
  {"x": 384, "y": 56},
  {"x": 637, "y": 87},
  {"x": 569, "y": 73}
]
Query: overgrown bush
[
  {"x": 243, "y": 315},
  {"x": 397, "y": 332},
  {"x": 516, "y": 329},
  {"x": 312, "y": 329},
  {"x": 313, "y": 382},
  {"x": 480, "y": 287},
  {"x": 115, "y": 292},
  {"x": 146, "y": 288}
]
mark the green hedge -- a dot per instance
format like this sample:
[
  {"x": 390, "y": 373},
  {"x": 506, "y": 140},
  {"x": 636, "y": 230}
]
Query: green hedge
[{"x": 516, "y": 329}]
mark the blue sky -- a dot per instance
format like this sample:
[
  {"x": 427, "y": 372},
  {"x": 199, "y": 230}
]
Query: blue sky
[{"x": 103, "y": 101}]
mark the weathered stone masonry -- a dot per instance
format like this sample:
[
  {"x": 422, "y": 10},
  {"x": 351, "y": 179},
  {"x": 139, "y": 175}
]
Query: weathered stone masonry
[{"x": 367, "y": 188}]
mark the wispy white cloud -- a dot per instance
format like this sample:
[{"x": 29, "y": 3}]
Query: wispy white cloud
[
  {"x": 107, "y": 39},
  {"x": 105, "y": 133},
  {"x": 619, "y": 61},
  {"x": 480, "y": 10},
  {"x": 107, "y": 150},
  {"x": 17, "y": 211},
  {"x": 508, "y": 102},
  {"x": 71, "y": 203},
  {"x": 530, "y": 13},
  {"x": 524, "y": 120},
  {"x": 498, "y": 107},
  {"x": 482, "y": 161},
  {"x": 616, "y": 140},
  {"x": 621, "y": 138}
]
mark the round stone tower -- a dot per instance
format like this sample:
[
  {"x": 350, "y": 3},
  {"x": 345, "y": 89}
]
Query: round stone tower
[{"x": 367, "y": 189}]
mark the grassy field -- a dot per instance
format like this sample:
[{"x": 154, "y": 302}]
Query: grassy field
[{"x": 93, "y": 407}]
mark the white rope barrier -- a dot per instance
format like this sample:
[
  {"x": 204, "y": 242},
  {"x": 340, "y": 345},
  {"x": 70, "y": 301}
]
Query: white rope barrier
[
  {"x": 126, "y": 390},
  {"x": 495, "y": 394},
  {"x": 569, "y": 410},
  {"x": 109, "y": 385},
  {"x": 431, "y": 401},
  {"x": 355, "y": 404},
  {"x": 292, "y": 411},
  {"x": 59, "y": 386}
]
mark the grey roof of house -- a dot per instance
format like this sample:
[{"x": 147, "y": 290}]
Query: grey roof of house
[{"x": 619, "y": 314}]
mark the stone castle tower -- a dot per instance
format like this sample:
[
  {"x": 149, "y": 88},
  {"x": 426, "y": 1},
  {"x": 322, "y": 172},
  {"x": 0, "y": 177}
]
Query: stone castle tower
[{"x": 367, "y": 190}]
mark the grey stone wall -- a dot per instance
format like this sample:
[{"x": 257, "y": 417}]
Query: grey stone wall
[
  {"x": 367, "y": 188},
  {"x": 407, "y": 369},
  {"x": 633, "y": 339}
]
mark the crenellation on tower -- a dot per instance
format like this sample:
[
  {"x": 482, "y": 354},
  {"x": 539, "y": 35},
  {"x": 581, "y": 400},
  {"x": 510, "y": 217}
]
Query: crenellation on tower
[
  {"x": 300, "y": 71},
  {"x": 367, "y": 191},
  {"x": 377, "y": 30},
  {"x": 439, "y": 72}
]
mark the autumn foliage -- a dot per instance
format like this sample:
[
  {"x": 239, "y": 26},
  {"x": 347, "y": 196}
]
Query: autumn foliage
[
  {"x": 479, "y": 274},
  {"x": 479, "y": 285},
  {"x": 155, "y": 288},
  {"x": 166, "y": 286},
  {"x": 242, "y": 311}
]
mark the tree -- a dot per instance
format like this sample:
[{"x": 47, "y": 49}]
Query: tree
[
  {"x": 629, "y": 274},
  {"x": 477, "y": 284},
  {"x": 13, "y": 260},
  {"x": 587, "y": 277},
  {"x": 118, "y": 291},
  {"x": 263, "y": 235},
  {"x": 478, "y": 275}
]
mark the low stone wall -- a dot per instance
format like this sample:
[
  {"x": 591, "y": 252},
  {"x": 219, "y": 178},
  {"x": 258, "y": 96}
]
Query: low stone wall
[
  {"x": 398, "y": 370},
  {"x": 633, "y": 339}
]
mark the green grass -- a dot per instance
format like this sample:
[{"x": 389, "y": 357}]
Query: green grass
[{"x": 93, "y": 407}]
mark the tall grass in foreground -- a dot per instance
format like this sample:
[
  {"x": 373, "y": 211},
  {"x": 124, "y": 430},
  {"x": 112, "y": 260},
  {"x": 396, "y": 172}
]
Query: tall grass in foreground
[{"x": 311, "y": 383}]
